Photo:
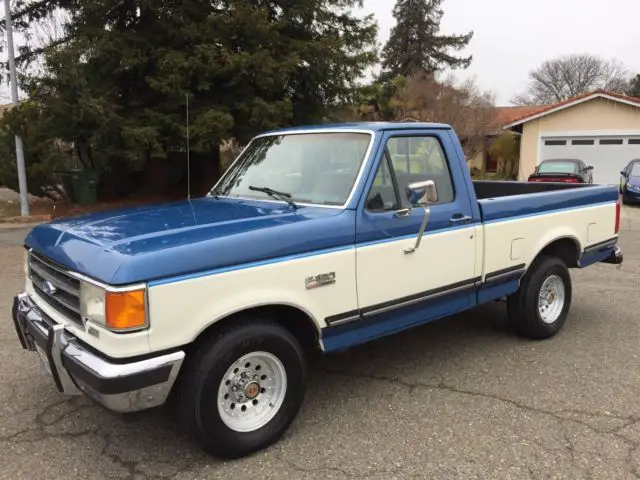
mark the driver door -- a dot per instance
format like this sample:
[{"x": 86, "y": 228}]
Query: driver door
[{"x": 397, "y": 289}]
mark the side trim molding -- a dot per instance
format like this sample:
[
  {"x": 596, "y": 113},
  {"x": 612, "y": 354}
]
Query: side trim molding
[
  {"x": 342, "y": 318},
  {"x": 505, "y": 274},
  {"x": 373, "y": 310}
]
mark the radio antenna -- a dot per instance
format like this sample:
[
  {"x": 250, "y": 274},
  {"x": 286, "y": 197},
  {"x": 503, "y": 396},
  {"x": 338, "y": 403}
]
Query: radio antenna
[{"x": 188, "y": 154}]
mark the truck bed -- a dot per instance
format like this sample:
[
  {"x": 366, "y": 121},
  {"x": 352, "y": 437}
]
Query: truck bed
[
  {"x": 494, "y": 189},
  {"x": 502, "y": 200}
]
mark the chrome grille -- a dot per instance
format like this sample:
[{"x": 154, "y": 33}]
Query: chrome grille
[{"x": 64, "y": 297}]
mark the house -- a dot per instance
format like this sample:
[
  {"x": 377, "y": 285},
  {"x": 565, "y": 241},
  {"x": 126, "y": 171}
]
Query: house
[
  {"x": 601, "y": 128},
  {"x": 503, "y": 116}
]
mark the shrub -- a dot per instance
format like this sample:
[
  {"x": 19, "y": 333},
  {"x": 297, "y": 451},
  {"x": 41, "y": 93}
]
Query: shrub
[
  {"x": 506, "y": 150},
  {"x": 44, "y": 157}
]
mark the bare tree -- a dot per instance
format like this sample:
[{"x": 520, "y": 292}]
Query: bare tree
[
  {"x": 462, "y": 105},
  {"x": 45, "y": 33},
  {"x": 559, "y": 79}
]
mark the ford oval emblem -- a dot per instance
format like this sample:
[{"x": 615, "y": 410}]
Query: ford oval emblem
[{"x": 49, "y": 288}]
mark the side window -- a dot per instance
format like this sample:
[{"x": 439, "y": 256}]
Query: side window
[
  {"x": 382, "y": 196},
  {"x": 415, "y": 159}
]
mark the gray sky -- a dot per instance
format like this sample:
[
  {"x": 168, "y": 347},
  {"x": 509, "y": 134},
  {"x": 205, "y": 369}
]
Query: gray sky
[{"x": 514, "y": 36}]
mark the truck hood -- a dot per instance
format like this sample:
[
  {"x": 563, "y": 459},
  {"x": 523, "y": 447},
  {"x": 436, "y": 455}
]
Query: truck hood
[{"x": 147, "y": 243}]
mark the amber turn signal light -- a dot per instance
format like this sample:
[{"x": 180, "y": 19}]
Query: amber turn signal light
[{"x": 125, "y": 310}]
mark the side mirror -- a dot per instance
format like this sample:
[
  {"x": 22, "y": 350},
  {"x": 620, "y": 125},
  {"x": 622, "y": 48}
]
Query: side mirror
[
  {"x": 589, "y": 168},
  {"x": 622, "y": 173},
  {"x": 421, "y": 193}
]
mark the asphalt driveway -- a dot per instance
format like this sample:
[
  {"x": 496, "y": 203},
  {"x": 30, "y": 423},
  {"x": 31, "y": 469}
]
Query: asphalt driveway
[{"x": 459, "y": 398}]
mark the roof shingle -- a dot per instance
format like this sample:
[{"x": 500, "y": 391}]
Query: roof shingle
[{"x": 537, "y": 110}]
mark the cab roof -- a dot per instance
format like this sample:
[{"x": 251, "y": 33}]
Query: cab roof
[{"x": 373, "y": 126}]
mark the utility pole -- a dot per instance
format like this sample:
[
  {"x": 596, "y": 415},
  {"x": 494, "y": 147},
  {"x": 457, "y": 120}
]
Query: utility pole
[{"x": 22, "y": 175}]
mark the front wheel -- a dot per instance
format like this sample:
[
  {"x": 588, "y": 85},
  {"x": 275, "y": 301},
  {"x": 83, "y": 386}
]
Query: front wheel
[
  {"x": 538, "y": 310},
  {"x": 243, "y": 389}
]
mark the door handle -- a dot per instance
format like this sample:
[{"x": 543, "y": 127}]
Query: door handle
[
  {"x": 402, "y": 213},
  {"x": 460, "y": 219}
]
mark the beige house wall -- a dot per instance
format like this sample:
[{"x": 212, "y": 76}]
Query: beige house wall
[
  {"x": 476, "y": 161},
  {"x": 598, "y": 115}
]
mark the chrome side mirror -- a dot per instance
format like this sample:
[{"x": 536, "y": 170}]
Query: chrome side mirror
[{"x": 422, "y": 193}]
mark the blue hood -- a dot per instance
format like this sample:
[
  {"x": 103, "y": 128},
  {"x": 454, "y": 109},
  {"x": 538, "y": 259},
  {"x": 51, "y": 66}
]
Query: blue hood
[{"x": 149, "y": 243}]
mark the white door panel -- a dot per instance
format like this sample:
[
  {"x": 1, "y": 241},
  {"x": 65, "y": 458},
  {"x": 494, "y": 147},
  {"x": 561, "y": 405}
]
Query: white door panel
[{"x": 386, "y": 273}]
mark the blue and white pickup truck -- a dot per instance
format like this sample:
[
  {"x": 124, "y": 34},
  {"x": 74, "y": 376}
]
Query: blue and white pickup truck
[{"x": 323, "y": 237}]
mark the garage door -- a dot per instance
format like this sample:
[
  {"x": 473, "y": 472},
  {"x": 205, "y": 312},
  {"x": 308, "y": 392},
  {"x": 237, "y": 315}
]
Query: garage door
[{"x": 608, "y": 155}]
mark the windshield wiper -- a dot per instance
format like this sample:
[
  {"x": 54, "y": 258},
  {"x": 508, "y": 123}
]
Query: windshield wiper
[{"x": 286, "y": 197}]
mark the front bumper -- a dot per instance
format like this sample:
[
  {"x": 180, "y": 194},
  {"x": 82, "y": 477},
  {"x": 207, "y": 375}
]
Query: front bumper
[
  {"x": 631, "y": 195},
  {"x": 121, "y": 387}
]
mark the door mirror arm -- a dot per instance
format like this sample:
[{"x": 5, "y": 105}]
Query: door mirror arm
[
  {"x": 423, "y": 226},
  {"x": 422, "y": 194}
]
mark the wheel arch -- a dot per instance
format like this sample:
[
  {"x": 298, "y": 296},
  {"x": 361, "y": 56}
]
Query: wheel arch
[
  {"x": 297, "y": 320},
  {"x": 567, "y": 248}
]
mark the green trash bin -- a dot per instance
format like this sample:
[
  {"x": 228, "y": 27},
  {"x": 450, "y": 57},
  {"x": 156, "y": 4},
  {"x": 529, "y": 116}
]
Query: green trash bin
[
  {"x": 67, "y": 178},
  {"x": 84, "y": 186}
]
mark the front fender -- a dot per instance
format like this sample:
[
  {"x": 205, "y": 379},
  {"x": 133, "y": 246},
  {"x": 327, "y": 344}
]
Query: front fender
[{"x": 180, "y": 311}]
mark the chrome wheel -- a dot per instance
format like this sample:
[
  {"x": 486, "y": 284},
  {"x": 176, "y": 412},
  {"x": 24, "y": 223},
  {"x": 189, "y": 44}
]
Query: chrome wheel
[
  {"x": 252, "y": 391},
  {"x": 551, "y": 299}
]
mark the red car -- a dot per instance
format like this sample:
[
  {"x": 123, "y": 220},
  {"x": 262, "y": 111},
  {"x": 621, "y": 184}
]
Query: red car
[{"x": 562, "y": 170}]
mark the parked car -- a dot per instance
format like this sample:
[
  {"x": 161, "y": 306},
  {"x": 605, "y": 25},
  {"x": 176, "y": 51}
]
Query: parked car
[
  {"x": 562, "y": 170},
  {"x": 316, "y": 238},
  {"x": 630, "y": 182}
]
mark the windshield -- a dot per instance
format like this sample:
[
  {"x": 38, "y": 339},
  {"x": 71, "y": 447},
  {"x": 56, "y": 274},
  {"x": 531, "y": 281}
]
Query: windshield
[
  {"x": 558, "y": 167},
  {"x": 318, "y": 168},
  {"x": 635, "y": 170}
]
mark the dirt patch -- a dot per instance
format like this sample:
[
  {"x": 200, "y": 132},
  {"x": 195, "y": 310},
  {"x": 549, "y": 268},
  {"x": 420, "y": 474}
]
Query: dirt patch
[
  {"x": 45, "y": 210},
  {"x": 65, "y": 210},
  {"x": 38, "y": 210}
]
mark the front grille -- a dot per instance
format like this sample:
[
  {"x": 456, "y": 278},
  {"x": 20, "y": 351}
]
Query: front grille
[{"x": 64, "y": 297}]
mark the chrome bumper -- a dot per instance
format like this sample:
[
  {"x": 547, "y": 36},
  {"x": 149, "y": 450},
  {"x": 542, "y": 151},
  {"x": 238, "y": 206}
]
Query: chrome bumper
[{"x": 121, "y": 387}]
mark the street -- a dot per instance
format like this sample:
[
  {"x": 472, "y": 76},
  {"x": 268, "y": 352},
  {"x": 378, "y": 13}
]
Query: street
[{"x": 459, "y": 398}]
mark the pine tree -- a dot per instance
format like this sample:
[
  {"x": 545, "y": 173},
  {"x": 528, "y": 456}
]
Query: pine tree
[
  {"x": 415, "y": 45},
  {"x": 634, "y": 86},
  {"x": 116, "y": 87}
]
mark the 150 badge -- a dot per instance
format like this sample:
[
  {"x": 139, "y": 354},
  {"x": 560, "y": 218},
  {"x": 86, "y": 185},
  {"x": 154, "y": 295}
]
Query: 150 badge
[{"x": 320, "y": 280}]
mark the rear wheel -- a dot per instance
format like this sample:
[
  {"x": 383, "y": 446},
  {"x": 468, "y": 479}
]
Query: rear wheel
[
  {"x": 243, "y": 388},
  {"x": 538, "y": 310}
]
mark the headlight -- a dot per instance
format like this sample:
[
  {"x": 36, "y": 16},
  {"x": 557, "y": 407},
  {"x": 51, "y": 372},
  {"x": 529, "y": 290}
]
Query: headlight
[
  {"x": 633, "y": 187},
  {"x": 118, "y": 311},
  {"x": 92, "y": 303}
]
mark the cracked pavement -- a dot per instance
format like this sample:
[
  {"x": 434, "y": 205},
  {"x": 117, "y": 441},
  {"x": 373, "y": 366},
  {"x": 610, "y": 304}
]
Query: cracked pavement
[{"x": 459, "y": 398}]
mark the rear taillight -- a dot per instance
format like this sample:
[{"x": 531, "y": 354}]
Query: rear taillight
[
  {"x": 617, "y": 216},
  {"x": 554, "y": 179}
]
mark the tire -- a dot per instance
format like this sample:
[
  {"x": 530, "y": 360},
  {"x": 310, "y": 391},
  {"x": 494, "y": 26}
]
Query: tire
[
  {"x": 524, "y": 307},
  {"x": 624, "y": 199},
  {"x": 268, "y": 351}
]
